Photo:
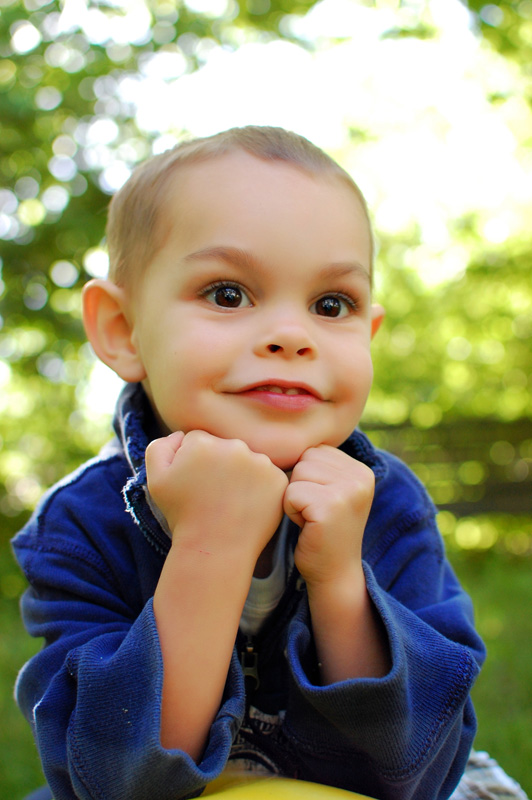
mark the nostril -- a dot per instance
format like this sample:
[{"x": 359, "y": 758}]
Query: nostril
[{"x": 273, "y": 348}]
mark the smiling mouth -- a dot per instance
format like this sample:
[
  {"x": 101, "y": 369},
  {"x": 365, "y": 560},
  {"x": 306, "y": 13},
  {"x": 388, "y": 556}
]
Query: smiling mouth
[
  {"x": 281, "y": 398},
  {"x": 289, "y": 390}
]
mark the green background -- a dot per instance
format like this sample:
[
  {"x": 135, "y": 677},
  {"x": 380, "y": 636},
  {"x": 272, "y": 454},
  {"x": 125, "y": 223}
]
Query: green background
[{"x": 453, "y": 362}]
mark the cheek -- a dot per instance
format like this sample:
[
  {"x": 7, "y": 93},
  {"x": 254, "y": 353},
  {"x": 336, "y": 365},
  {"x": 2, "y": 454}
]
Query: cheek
[
  {"x": 203, "y": 333},
  {"x": 198, "y": 359},
  {"x": 178, "y": 345},
  {"x": 356, "y": 375}
]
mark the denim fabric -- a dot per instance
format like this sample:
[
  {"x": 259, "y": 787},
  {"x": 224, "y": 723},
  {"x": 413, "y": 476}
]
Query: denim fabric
[{"x": 93, "y": 552}]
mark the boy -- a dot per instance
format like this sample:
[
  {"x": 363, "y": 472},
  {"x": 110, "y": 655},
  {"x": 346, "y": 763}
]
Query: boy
[{"x": 277, "y": 594}]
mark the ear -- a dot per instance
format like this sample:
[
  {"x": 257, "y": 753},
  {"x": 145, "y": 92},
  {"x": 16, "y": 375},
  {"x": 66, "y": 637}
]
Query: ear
[
  {"x": 109, "y": 330},
  {"x": 377, "y": 316}
]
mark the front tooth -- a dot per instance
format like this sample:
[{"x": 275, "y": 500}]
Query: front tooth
[
  {"x": 292, "y": 391},
  {"x": 275, "y": 389}
]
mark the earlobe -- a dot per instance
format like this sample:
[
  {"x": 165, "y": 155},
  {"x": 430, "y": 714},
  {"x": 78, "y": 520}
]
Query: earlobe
[
  {"x": 109, "y": 330},
  {"x": 377, "y": 316}
]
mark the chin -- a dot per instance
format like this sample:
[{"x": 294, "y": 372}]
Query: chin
[
  {"x": 285, "y": 460},
  {"x": 286, "y": 465},
  {"x": 286, "y": 455}
]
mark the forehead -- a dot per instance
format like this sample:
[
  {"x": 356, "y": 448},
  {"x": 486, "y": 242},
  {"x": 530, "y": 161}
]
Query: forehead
[
  {"x": 238, "y": 173},
  {"x": 236, "y": 193}
]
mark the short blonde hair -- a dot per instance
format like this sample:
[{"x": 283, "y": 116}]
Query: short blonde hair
[{"x": 133, "y": 231}]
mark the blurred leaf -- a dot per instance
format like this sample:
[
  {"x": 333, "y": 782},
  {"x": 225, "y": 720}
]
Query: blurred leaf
[{"x": 69, "y": 136}]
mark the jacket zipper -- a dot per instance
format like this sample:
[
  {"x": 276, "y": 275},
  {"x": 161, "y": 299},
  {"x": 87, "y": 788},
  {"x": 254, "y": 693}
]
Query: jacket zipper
[
  {"x": 249, "y": 657},
  {"x": 249, "y": 661}
]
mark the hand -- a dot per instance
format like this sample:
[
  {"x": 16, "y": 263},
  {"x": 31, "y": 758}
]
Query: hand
[
  {"x": 216, "y": 494},
  {"x": 329, "y": 497}
]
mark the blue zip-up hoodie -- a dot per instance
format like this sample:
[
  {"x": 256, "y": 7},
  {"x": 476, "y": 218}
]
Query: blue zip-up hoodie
[{"x": 93, "y": 552}]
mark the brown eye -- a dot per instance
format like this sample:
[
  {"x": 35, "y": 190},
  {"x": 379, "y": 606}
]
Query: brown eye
[
  {"x": 329, "y": 307},
  {"x": 228, "y": 296},
  {"x": 334, "y": 305}
]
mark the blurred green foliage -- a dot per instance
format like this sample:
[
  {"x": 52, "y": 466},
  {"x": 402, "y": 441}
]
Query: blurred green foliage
[
  {"x": 461, "y": 350},
  {"x": 500, "y": 588},
  {"x": 453, "y": 362},
  {"x": 453, "y": 390},
  {"x": 507, "y": 25},
  {"x": 458, "y": 351}
]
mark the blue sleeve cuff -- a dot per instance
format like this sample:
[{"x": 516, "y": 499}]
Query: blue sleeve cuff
[
  {"x": 96, "y": 728},
  {"x": 399, "y": 720}
]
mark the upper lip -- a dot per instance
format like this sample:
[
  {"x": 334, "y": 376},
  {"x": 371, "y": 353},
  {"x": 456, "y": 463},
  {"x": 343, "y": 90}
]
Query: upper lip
[{"x": 283, "y": 384}]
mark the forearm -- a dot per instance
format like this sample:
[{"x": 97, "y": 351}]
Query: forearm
[
  {"x": 223, "y": 503},
  {"x": 197, "y": 605},
  {"x": 349, "y": 636}
]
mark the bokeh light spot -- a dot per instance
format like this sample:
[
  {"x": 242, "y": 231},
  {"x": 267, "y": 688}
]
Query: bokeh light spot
[{"x": 64, "y": 273}]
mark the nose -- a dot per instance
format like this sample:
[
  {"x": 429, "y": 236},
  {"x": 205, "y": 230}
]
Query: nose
[{"x": 286, "y": 336}]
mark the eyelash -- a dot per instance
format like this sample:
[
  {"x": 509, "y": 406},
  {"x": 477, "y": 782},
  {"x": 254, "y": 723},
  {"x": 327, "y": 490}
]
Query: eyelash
[{"x": 351, "y": 302}]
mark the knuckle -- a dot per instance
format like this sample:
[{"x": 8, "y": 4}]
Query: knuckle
[
  {"x": 363, "y": 477},
  {"x": 369, "y": 481},
  {"x": 199, "y": 438},
  {"x": 238, "y": 446}
]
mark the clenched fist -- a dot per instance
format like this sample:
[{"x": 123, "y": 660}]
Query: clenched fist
[
  {"x": 215, "y": 493},
  {"x": 329, "y": 497}
]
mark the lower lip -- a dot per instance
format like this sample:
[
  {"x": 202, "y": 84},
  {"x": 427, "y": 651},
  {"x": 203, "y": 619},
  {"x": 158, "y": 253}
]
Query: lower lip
[{"x": 281, "y": 402}]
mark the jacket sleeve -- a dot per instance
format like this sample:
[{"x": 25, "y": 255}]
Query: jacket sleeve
[
  {"x": 93, "y": 693},
  {"x": 406, "y": 735}
]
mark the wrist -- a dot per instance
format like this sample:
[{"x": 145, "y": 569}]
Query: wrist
[
  {"x": 211, "y": 544},
  {"x": 340, "y": 587},
  {"x": 350, "y": 638}
]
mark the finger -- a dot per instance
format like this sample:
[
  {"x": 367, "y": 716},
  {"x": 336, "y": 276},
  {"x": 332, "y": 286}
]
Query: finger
[
  {"x": 160, "y": 453},
  {"x": 175, "y": 440},
  {"x": 297, "y": 499},
  {"x": 325, "y": 465},
  {"x": 317, "y": 472},
  {"x": 324, "y": 456}
]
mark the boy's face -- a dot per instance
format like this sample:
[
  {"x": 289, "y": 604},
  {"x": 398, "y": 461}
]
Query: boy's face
[{"x": 254, "y": 320}]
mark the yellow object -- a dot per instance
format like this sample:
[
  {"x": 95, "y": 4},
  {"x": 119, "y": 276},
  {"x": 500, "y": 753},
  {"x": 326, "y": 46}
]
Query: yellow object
[{"x": 234, "y": 785}]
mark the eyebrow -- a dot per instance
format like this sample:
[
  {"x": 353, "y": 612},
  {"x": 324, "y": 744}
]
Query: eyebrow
[
  {"x": 231, "y": 255},
  {"x": 245, "y": 260}
]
